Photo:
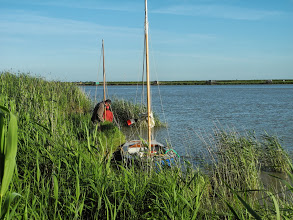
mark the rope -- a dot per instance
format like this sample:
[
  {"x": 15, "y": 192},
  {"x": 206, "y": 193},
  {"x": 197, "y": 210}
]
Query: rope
[
  {"x": 173, "y": 151},
  {"x": 162, "y": 108},
  {"x": 98, "y": 75},
  {"x": 142, "y": 98},
  {"x": 136, "y": 130}
]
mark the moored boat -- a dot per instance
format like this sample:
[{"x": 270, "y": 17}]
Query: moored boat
[{"x": 150, "y": 149}]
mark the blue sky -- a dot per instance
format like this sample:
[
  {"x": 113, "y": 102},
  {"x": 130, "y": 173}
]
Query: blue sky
[{"x": 189, "y": 39}]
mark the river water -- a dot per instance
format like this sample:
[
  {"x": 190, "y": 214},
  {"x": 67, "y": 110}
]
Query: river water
[{"x": 194, "y": 111}]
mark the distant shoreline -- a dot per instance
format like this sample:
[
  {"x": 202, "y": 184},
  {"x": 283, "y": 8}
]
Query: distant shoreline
[{"x": 202, "y": 82}]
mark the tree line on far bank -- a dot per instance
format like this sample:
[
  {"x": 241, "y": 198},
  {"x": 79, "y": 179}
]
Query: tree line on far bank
[{"x": 191, "y": 82}]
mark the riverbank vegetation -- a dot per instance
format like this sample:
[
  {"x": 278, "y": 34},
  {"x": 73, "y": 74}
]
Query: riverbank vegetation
[
  {"x": 125, "y": 110},
  {"x": 64, "y": 168}
]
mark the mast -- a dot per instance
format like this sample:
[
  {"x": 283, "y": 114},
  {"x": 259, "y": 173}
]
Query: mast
[
  {"x": 148, "y": 77},
  {"x": 104, "y": 76}
]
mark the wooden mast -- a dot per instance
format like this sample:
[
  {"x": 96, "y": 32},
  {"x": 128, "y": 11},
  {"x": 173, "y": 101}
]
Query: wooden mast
[
  {"x": 148, "y": 77},
  {"x": 104, "y": 77}
]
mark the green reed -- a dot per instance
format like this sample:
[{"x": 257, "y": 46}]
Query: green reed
[
  {"x": 125, "y": 110},
  {"x": 8, "y": 149},
  {"x": 236, "y": 187}
]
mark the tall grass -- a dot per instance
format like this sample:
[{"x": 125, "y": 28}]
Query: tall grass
[
  {"x": 125, "y": 110},
  {"x": 236, "y": 188},
  {"x": 64, "y": 168},
  {"x": 56, "y": 142}
]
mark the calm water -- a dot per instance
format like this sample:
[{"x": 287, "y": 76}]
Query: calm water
[{"x": 192, "y": 111}]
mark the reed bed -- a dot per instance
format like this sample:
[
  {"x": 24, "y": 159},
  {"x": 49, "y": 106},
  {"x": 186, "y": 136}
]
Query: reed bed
[
  {"x": 125, "y": 110},
  {"x": 64, "y": 171},
  {"x": 235, "y": 165}
]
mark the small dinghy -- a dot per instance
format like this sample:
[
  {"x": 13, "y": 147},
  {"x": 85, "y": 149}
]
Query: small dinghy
[{"x": 138, "y": 149}]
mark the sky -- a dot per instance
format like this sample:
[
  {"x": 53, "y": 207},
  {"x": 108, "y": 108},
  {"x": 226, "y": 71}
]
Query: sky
[{"x": 188, "y": 39}]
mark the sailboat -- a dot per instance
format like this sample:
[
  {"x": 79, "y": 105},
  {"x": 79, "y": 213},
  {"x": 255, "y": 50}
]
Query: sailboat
[{"x": 150, "y": 148}]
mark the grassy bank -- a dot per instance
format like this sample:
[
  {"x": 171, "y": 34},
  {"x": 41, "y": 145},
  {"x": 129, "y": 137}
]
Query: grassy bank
[{"x": 64, "y": 170}]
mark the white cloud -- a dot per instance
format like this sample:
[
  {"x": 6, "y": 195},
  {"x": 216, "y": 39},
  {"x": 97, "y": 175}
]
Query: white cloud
[
  {"x": 25, "y": 22},
  {"x": 219, "y": 11},
  {"x": 126, "y": 6},
  {"x": 118, "y": 6}
]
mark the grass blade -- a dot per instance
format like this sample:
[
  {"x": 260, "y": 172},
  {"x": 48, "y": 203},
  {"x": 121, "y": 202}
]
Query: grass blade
[
  {"x": 233, "y": 211},
  {"x": 10, "y": 154},
  {"x": 56, "y": 188},
  {"x": 2, "y": 143},
  {"x": 278, "y": 217},
  {"x": 7, "y": 203},
  {"x": 247, "y": 206}
]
